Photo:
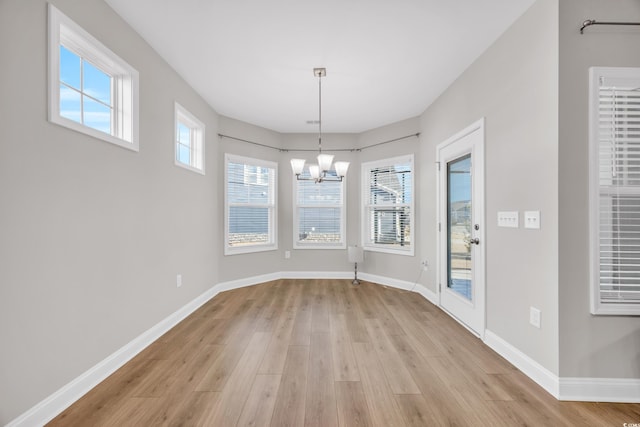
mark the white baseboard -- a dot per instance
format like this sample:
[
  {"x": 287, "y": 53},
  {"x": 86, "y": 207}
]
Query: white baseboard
[
  {"x": 538, "y": 373},
  {"x": 427, "y": 293},
  {"x": 620, "y": 390},
  {"x": 316, "y": 275},
  {"x": 247, "y": 281}
]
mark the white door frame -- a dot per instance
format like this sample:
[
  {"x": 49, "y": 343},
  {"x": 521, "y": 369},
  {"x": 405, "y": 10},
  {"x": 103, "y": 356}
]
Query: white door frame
[{"x": 478, "y": 208}]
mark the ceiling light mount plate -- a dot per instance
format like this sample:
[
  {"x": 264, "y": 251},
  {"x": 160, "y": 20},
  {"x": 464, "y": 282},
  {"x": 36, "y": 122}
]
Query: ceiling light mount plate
[{"x": 320, "y": 72}]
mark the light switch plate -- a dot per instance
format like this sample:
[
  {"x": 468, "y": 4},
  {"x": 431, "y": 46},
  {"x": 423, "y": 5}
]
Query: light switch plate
[
  {"x": 508, "y": 219},
  {"x": 532, "y": 219}
]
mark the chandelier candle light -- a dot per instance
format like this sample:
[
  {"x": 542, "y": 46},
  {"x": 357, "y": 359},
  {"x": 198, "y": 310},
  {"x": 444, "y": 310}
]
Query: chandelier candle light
[{"x": 319, "y": 172}]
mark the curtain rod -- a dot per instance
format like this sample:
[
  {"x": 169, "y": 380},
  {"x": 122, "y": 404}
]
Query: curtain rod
[
  {"x": 590, "y": 22},
  {"x": 286, "y": 150}
]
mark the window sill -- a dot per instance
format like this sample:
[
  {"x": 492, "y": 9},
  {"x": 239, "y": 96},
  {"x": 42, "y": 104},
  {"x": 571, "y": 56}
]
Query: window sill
[{"x": 75, "y": 126}]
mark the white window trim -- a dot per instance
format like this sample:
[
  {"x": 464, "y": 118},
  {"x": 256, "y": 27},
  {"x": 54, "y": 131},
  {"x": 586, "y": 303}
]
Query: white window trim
[
  {"x": 182, "y": 115},
  {"x": 343, "y": 223},
  {"x": 596, "y": 304},
  {"x": 125, "y": 81},
  {"x": 259, "y": 247},
  {"x": 365, "y": 168}
]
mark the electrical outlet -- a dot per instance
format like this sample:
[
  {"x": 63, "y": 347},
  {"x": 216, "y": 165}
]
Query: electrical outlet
[
  {"x": 425, "y": 265},
  {"x": 287, "y": 254},
  {"x": 532, "y": 219},
  {"x": 534, "y": 317},
  {"x": 179, "y": 280}
]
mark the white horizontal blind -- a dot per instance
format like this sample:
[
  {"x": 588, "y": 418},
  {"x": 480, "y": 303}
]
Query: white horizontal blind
[
  {"x": 250, "y": 200},
  {"x": 319, "y": 213},
  {"x": 389, "y": 204},
  {"x": 618, "y": 197}
]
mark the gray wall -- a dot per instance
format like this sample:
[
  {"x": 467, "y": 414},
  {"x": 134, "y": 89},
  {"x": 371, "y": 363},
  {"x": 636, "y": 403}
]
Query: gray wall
[
  {"x": 91, "y": 235},
  {"x": 514, "y": 86},
  {"x": 590, "y": 346}
]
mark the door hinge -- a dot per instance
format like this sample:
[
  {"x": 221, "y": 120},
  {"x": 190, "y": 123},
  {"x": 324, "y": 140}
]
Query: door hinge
[
  {"x": 439, "y": 287},
  {"x": 439, "y": 226}
]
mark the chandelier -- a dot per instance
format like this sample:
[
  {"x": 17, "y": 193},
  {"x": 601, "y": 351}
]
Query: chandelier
[{"x": 318, "y": 173}]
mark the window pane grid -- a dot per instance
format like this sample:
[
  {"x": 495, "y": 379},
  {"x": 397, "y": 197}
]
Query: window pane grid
[{"x": 93, "y": 111}]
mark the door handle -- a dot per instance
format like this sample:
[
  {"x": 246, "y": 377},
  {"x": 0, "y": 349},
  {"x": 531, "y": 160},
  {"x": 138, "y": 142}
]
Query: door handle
[{"x": 475, "y": 241}]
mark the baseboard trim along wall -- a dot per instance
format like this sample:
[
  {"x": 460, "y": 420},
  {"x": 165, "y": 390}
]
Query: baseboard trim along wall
[
  {"x": 621, "y": 390},
  {"x": 538, "y": 373},
  {"x": 581, "y": 389}
]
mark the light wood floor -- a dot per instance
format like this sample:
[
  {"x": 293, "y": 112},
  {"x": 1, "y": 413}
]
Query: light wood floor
[{"x": 325, "y": 353}]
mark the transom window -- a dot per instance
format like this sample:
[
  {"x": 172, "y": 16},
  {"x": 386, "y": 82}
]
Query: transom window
[
  {"x": 319, "y": 219},
  {"x": 91, "y": 89},
  {"x": 250, "y": 205},
  {"x": 189, "y": 135},
  {"x": 388, "y": 205}
]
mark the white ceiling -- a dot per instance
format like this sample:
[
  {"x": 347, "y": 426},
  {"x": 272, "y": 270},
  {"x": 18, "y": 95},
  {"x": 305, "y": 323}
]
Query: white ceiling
[{"x": 386, "y": 60}]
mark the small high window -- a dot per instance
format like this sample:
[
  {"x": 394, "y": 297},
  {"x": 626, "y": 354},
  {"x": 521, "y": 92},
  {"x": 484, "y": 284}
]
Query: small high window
[
  {"x": 189, "y": 136},
  {"x": 91, "y": 89}
]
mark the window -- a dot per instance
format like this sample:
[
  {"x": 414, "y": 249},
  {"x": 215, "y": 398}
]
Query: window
[
  {"x": 189, "y": 135},
  {"x": 250, "y": 205},
  {"x": 615, "y": 190},
  {"x": 91, "y": 90},
  {"x": 319, "y": 220},
  {"x": 388, "y": 205}
]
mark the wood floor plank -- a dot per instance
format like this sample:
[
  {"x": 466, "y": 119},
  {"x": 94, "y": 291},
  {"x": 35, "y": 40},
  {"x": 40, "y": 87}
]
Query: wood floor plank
[
  {"x": 301, "y": 334},
  {"x": 345, "y": 367},
  {"x": 385, "y": 411},
  {"x": 194, "y": 411},
  {"x": 418, "y": 412},
  {"x": 398, "y": 376},
  {"x": 258, "y": 409},
  {"x": 384, "y": 316},
  {"x": 134, "y": 412},
  {"x": 215, "y": 378},
  {"x": 274, "y": 358},
  {"x": 290, "y": 403},
  {"x": 320, "y": 402},
  {"x": 352, "y": 405},
  {"x": 179, "y": 395},
  {"x": 235, "y": 392},
  {"x": 319, "y": 310}
]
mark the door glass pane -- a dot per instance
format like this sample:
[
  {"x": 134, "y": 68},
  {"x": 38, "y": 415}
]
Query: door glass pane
[{"x": 459, "y": 230}]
